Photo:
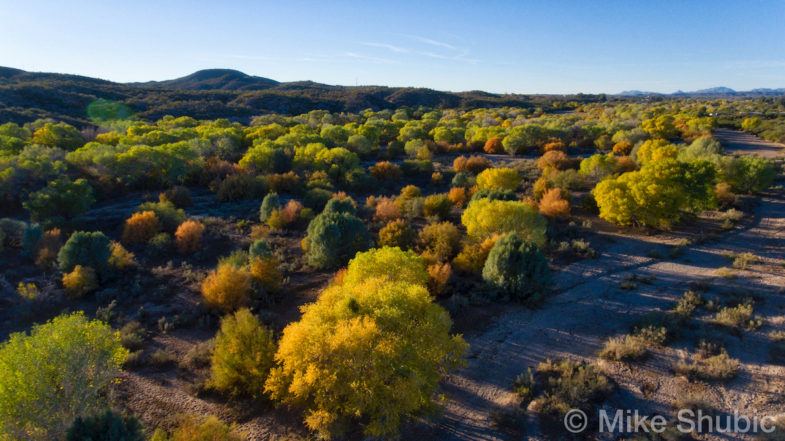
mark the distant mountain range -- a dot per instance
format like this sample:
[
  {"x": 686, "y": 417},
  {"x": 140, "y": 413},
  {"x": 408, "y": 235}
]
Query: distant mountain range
[
  {"x": 225, "y": 93},
  {"x": 712, "y": 91}
]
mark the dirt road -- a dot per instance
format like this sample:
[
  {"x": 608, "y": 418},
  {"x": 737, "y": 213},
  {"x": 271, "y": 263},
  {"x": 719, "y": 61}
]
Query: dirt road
[{"x": 589, "y": 306}]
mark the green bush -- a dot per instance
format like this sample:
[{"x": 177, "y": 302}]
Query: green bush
[
  {"x": 107, "y": 426},
  {"x": 240, "y": 186},
  {"x": 341, "y": 204},
  {"x": 516, "y": 267},
  {"x": 90, "y": 249},
  {"x": 270, "y": 203},
  {"x": 58, "y": 372},
  {"x": 748, "y": 174},
  {"x": 243, "y": 355},
  {"x": 333, "y": 238},
  {"x": 259, "y": 248},
  {"x": 61, "y": 200}
]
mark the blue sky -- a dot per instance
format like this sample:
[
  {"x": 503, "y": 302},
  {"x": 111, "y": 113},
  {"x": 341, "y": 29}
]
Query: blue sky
[{"x": 498, "y": 46}]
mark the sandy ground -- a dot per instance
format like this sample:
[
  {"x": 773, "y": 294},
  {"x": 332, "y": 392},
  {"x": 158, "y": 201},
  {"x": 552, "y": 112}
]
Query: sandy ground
[{"x": 589, "y": 306}]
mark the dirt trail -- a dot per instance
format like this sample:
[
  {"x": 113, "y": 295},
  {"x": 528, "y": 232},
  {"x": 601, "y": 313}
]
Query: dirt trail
[{"x": 589, "y": 306}]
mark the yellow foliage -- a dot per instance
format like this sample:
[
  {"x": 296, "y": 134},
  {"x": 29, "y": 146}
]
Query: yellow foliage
[
  {"x": 80, "y": 281},
  {"x": 387, "y": 262},
  {"x": 372, "y": 353},
  {"x": 498, "y": 179},
  {"x": 485, "y": 217},
  {"x": 227, "y": 288},
  {"x": 121, "y": 258},
  {"x": 265, "y": 270},
  {"x": 473, "y": 255},
  {"x": 655, "y": 150}
]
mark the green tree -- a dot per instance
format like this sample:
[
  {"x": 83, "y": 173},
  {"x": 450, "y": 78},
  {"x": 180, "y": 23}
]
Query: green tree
[
  {"x": 516, "y": 267},
  {"x": 333, "y": 238},
  {"x": 90, "y": 249},
  {"x": 58, "y": 372},
  {"x": 107, "y": 426},
  {"x": 61, "y": 200}
]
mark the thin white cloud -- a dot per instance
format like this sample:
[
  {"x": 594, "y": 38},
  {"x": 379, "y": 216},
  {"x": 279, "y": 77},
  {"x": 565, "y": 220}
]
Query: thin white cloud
[
  {"x": 390, "y": 47},
  {"x": 433, "y": 42},
  {"x": 368, "y": 58}
]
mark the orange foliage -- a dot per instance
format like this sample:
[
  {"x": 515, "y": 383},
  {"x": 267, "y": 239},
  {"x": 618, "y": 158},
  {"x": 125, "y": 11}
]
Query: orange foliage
[
  {"x": 438, "y": 277},
  {"x": 141, "y": 227},
  {"x": 554, "y": 205},
  {"x": 553, "y": 159},
  {"x": 493, "y": 146},
  {"x": 458, "y": 196},
  {"x": 188, "y": 236},
  {"x": 386, "y": 210}
]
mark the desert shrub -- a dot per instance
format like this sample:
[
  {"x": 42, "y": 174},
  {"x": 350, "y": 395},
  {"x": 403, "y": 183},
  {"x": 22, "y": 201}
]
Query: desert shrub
[
  {"x": 554, "y": 144},
  {"x": 439, "y": 275},
  {"x": 392, "y": 326},
  {"x": 341, "y": 203},
  {"x": 161, "y": 243},
  {"x": 89, "y": 249},
  {"x": 385, "y": 171},
  {"x": 107, "y": 426},
  {"x": 140, "y": 227},
  {"x": 387, "y": 262},
  {"x": 227, "y": 288},
  {"x": 240, "y": 186},
  {"x": 270, "y": 203},
  {"x": 243, "y": 355},
  {"x": 120, "y": 258},
  {"x": 554, "y": 205},
  {"x": 493, "y": 146},
  {"x": 414, "y": 167},
  {"x": 496, "y": 195},
  {"x": 192, "y": 428},
  {"x": 410, "y": 192},
  {"x": 386, "y": 210},
  {"x": 291, "y": 214},
  {"x": 437, "y": 205},
  {"x": 316, "y": 198},
  {"x": 188, "y": 236},
  {"x": 333, "y": 238},
  {"x": 499, "y": 179},
  {"x": 288, "y": 182},
  {"x": 724, "y": 194},
  {"x": 658, "y": 195},
  {"x": 439, "y": 242},
  {"x": 178, "y": 195},
  {"x": 627, "y": 347},
  {"x": 260, "y": 248},
  {"x": 237, "y": 258},
  {"x": 569, "y": 384},
  {"x": 516, "y": 267},
  {"x": 462, "y": 180},
  {"x": 47, "y": 247},
  {"x": 397, "y": 233},
  {"x": 472, "y": 164},
  {"x": 717, "y": 366},
  {"x": 458, "y": 196},
  {"x": 167, "y": 213},
  {"x": 60, "y": 201},
  {"x": 737, "y": 317},
  {"x": 75, "y": 357},
  {"x": 265, "y": 271},
  {"x": 80, "y": 281},
  {"x": 748, "y": 174},
  {"x": 687, "y": 304},
  {"x": 598, "y": 166},
  {"x": 472, "y": 257},
  {"x": 485, "y": 217},
  {"x": 553, "y": 159}
]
